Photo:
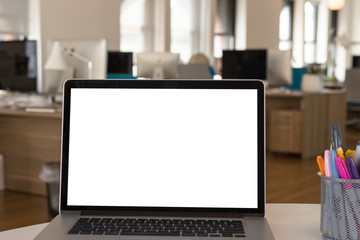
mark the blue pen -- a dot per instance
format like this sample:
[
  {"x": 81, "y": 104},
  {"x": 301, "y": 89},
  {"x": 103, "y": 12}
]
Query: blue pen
[
  {"x": 334, "y": 141},
  {"x": 334, "y": 170}
]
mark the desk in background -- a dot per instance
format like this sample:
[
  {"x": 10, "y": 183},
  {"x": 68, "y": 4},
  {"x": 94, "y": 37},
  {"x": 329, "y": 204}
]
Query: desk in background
[
  {"x": 296, "y": 123},
  {"x": 27, "y": 141},
  {"x": 287, "y": 221},
  {"x": 300, "y": 122}
]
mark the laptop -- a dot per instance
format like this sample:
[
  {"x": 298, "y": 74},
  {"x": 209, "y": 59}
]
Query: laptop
[{"x": 162, "y": 159}]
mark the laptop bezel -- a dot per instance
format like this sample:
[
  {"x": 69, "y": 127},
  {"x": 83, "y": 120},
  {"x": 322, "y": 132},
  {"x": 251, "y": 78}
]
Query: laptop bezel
[{"x": 161, "y": 84}]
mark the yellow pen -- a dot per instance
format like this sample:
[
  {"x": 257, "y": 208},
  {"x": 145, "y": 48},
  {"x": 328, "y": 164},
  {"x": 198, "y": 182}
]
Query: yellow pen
[
  {"x": 350, "y": 153},
  {"x": 340, "y": 153}
]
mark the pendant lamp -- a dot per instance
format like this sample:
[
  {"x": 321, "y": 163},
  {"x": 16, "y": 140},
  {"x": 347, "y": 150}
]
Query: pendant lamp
[{"x": 335, "y": 4}]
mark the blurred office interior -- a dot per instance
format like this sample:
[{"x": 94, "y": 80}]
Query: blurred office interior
[{"x": 43, "y": 43}]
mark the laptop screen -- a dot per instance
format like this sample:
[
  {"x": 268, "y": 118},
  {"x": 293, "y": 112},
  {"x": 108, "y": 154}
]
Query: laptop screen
[{"x": 163, "y": 147}]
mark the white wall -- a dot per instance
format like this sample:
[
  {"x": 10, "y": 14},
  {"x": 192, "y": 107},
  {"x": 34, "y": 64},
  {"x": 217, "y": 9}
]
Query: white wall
[
  {"x": 262, "y": 23},
  {"x": 353, "y": 31},
  {"x": 240, "y": 25},
  {"x": 349, "y": 28},
  {"x": 298, "y": 34},
  {"x": 79, "y": 19}
]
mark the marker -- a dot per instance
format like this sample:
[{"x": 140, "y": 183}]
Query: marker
[
  {"x": 334, "y": 170},
  {"x": 350, "y": 153},
  {"x": 357, "y": 154},
  {"x": 341, "y": 166},
  {"x": 320, "y": 162},
  {"x": 327, "y": 163},
  {"x": 353, "y": 171},
  {"x": 340, "y": 153}
]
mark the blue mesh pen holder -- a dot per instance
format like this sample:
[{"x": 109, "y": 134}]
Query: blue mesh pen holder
[{"x": 340, "y": 208}]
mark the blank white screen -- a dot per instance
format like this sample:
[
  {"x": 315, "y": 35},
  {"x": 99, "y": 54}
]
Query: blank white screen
[{"x": 163, "y": 148}]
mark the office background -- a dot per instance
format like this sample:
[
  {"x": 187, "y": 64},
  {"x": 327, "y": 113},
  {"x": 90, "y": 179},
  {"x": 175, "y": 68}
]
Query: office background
[
  {"x": 256, "y": 25},
  {"x": 192, "y": 26}
]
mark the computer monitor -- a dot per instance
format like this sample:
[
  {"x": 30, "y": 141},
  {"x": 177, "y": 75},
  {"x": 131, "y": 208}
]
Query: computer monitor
[
  {"x": 356, "y": 61},
  {"x": 82, "y": 59},
  {"x": 244, "y": 64},
  {"x": 194, "y": 71},
  {"x": 120, "y": 65},
  {"x": 279, "y": 71},
  {"x": 18, "y": 65},
  {"x": 157, "y": 65}
]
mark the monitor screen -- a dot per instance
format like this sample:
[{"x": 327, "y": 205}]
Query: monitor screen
[
  {"x": 18, "y": 65},
  {"x": 246, "y": 64},
  {"x": 119, "y": 63},
  {"x": 356, "y": 62},
  {"x": 162, "y": 146}
]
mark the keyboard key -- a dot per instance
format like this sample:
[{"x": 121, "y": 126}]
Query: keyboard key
[
  {"x": 188, "y": 234},
  {"x": 112, "y": 233},
  {"x": 239, "y": 235},
  {"x": 202, "y": 234},
  {"x": 150, "y": 233},
  {"x": 215, "y": 235},
  {"x": 227, "y": 235},
  {"x": 74, "y": 231}
]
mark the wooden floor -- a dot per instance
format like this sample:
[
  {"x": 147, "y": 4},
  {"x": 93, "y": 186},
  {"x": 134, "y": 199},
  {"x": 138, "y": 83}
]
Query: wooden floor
[{"x": 289, "y": 180}]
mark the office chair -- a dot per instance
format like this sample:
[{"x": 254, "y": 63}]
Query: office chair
[
  {"x": 352, "y": 85},
  {"x": 200, "y": 58}
]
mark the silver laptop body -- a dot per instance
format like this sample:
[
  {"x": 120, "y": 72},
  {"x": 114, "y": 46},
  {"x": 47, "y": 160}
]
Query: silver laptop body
[{"x": 162, "y": 151}]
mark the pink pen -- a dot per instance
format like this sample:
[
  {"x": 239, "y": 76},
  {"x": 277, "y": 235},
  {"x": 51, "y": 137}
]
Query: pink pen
[
  {"x": 327, "y": 163},
  {"x": 343, "y": 171}
]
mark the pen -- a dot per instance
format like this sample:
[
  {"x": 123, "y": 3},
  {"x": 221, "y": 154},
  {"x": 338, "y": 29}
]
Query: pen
[
  {"x": 337, "y": 139},
  {"x": 357, "y": 154},
  {"x": 333, "y": 146},
  {"x": 353, "y": 171},
  {"x": 334, "y": 170},
  {"x": 350, "y": 153},
  {"x": 340, "y": 153},
  {"x": 320, "y": 162},
  {"x": 341, "y": 167},
  {"x": 327, "y": 163}
]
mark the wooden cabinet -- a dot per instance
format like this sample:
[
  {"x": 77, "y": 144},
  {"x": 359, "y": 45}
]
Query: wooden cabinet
[
  {"x": 300, "y": 122},
  {"x": 286, "y": 130}
]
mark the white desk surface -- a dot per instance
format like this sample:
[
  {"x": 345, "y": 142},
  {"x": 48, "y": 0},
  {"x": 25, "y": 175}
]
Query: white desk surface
[{"x": 287, "y": 221}]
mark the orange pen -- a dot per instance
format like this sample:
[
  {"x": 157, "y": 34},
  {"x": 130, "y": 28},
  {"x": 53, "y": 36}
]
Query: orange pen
[{"x": 320, "y": 162}]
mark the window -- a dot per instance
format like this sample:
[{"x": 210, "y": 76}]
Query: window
[
  {"x": 224, "y": 27},
  {"x": 135, "y": 26},
  {"x": 311, "y": 21},
  {"x": 184, "y": 28},
  {"x": 143, "y": 28},
  {"x": 14, "y": 19},
  {"x": 310, "y": 30},
  {"x": 285, "y": 26}
]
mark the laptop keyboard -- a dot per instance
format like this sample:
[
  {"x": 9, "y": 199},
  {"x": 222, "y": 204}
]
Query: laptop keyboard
[{"x": 158, "y": 227}]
